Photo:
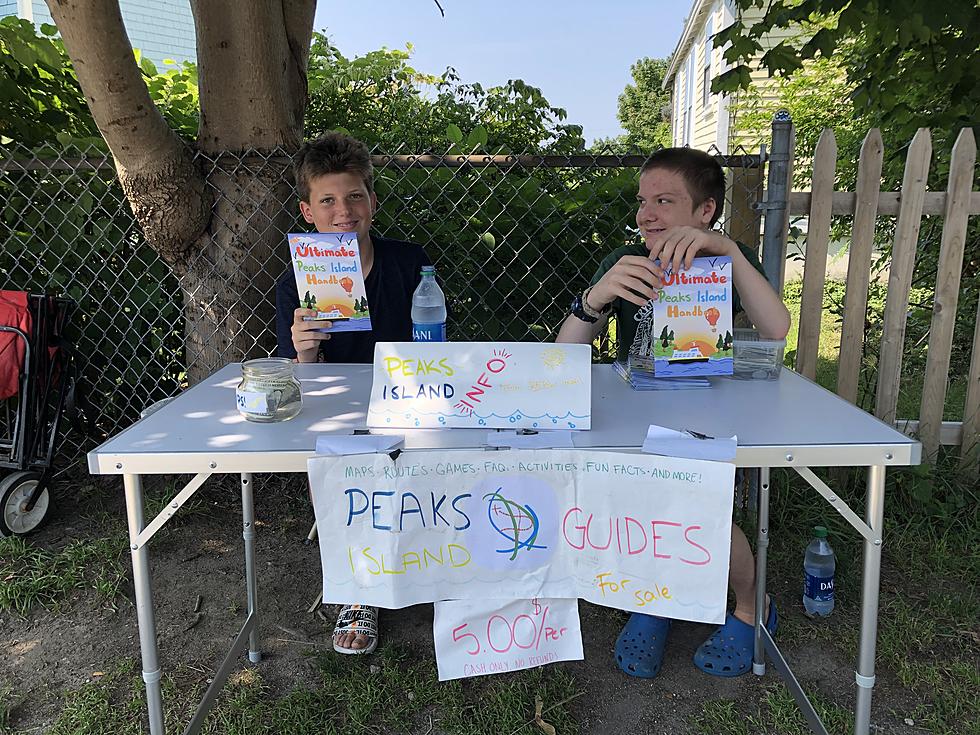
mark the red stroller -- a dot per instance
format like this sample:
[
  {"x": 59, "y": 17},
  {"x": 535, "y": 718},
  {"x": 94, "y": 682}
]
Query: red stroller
[{"x": 37, "y": 381}]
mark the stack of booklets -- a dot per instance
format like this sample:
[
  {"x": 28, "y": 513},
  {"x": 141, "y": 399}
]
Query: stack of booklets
[{"x": 643, "y": 379}]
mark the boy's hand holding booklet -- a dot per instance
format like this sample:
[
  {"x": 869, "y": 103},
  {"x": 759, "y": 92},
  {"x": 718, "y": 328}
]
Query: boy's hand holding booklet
[{"x": 327, "y": 266}]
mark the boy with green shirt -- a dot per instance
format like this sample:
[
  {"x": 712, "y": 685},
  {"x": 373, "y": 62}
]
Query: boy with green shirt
[{"x": 681, "y": 195}]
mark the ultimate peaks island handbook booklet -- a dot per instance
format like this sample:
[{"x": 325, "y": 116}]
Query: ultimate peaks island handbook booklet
[
  {"x": 687, "y": 329},
  {"x": 327, "y": 266}
]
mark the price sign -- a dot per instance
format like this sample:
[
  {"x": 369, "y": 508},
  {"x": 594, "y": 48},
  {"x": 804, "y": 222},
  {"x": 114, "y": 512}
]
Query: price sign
[{"x": 478, "y": 637}]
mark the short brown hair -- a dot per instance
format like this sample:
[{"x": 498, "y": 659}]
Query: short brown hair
[
  {"x": 701, "y": 173},
  {"x": 331, "y": 153}
]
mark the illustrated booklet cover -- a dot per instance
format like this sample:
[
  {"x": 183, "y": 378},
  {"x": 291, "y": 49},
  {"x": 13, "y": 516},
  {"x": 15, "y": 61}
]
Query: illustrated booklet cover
[
  {"x": 687, "y": 331},
  {"x": 327, "y": 266}
]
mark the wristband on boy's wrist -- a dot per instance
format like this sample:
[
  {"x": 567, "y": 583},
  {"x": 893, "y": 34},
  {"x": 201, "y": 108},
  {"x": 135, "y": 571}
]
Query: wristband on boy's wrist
[
  {"x": 581, "y": 309},
  {"x": 596, "y": 314}
]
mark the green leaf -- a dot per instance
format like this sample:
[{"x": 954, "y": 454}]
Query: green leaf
[
  {"x": 148, "y": 67},
  {"x": 477, "y": 137},
  {"x": 454, "y": 133}
]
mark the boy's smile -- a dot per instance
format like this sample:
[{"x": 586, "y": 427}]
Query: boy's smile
[
  {"x": 664, "y": 202},
  {"x": 340, "y": 203}
]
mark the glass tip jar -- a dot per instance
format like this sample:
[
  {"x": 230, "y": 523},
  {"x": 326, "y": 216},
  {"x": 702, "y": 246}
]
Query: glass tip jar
[{"x": 269, "y": 391}]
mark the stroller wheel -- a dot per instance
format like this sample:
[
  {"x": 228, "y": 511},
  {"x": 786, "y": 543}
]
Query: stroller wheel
[{"x": 15, "y": 491}]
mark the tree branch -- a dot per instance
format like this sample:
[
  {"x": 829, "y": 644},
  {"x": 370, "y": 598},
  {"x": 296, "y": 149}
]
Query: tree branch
[
  {"x": 252, "y": 65},
  {"x": 155, "y": 168}
]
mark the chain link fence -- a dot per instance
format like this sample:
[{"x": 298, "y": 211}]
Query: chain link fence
[{"x": 513, "y": 237}]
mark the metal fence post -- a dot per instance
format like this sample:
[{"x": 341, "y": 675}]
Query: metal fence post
[{"x": 776, "y": 204}]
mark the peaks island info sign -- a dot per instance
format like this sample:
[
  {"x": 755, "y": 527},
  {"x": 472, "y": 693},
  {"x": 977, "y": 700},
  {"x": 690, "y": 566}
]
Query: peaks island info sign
[{"x": 502, "y": 385}]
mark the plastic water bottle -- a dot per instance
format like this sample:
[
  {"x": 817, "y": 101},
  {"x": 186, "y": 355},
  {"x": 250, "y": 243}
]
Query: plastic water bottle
[
  {"x": 818, "y": 575},
  {"x": 428, "y": 309}
]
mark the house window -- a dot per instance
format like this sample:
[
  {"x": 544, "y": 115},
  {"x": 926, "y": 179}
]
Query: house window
[
  {"x": 706, "y": 72},
  {"x": 689, "y": 97},
  {"x": 676, "y": 123}
]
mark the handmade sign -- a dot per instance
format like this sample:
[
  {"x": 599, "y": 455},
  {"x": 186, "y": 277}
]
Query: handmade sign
[
  {"x": 479, "y": 637},
  {"x": 637, "y": 532},
  {"x": 481, "y": 384}
]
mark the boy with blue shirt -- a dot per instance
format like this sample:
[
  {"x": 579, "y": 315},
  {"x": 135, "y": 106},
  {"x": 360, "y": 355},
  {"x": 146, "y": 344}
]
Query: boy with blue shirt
[
  {"x": 335, "y": 180},
  {"x": 681, "y": 195}
]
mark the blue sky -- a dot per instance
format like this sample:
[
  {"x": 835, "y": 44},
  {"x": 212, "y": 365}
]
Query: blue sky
[{"x": 577, "y": 52}]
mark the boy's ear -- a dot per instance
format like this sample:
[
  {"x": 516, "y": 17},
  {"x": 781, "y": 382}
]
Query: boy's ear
[
  {"x": 374, "y": 203},
  {"x": 705, "y": 211},
  {"x": 306, "y": 211}
]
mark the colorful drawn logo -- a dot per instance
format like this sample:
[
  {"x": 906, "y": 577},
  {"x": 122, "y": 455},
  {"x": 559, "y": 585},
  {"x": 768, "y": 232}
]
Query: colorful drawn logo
[
  {"x": 515, "y": 522},
  {"x": 520, "y": 527}
]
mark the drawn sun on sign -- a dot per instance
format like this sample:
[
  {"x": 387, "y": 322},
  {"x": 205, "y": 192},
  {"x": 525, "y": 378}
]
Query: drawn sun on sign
[{"x": 553, "y": 357}]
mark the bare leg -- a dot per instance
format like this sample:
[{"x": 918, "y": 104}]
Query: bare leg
[{"x": 741, "y": 577}]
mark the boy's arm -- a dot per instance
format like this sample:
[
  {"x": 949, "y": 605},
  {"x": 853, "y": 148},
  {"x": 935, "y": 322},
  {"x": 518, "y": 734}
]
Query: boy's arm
[
  {"x": 680, "y": 245},
  {"x": 574, "y": 330},
  {"x": 759, "y": 299},
  {"x": 634, "y": 278}
]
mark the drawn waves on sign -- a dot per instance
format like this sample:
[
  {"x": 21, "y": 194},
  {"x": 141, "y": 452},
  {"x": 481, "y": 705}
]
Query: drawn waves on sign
[{"x": 482, "y": 419}]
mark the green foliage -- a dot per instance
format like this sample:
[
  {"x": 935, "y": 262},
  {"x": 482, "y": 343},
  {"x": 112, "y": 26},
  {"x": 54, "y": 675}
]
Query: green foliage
[
  {"x": 382, "y": 100},
  {"x": 896, "y": 66},
  {"x": 904, "y": 49},
  {"x": 71, "y": 231},
  {"x": 644, "y": 106},
  {"x": 39, "y": 92}
]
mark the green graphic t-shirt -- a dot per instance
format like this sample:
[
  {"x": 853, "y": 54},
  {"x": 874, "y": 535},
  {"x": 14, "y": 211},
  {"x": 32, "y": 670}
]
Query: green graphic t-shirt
[{"x": 625, "y": 311}]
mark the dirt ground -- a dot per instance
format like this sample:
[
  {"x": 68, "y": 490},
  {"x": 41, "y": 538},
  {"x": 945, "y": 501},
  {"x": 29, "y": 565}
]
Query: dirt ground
[{"x": 49, "y": 652}]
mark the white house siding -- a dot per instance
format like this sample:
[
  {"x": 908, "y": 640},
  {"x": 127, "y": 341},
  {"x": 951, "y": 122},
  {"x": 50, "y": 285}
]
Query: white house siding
[{"x": 712, "y": 124}]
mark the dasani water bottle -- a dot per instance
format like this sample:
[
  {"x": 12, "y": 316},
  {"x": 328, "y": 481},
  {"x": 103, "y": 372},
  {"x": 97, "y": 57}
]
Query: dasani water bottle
[
  {"x": 818, "y": 575},
  {"x": 428, "y": 309}
]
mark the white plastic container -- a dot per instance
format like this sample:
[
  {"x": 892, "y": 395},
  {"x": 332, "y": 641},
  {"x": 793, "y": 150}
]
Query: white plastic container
[{"x": 756, "y": 358}]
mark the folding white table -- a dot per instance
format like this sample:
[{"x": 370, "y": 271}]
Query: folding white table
[{"x": 790, "y": 422}]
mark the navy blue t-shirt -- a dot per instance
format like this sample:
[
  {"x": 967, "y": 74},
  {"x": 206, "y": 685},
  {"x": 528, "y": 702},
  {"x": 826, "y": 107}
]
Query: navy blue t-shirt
[{"x": 389, "y": 286}]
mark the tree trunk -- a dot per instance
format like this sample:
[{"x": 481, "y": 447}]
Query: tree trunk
[
  {"x": 228, "y": 284},
  {"x": 156, "y": 170},
  {"x": 221, "y": 226}
]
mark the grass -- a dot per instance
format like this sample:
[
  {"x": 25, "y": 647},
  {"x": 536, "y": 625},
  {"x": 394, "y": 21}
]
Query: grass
[
  {"x": 391, "y": 691},
  {"x": 775, "y": 712},
  {"x": 32, "y": 576},
  {"x": 7, "y": 705}
]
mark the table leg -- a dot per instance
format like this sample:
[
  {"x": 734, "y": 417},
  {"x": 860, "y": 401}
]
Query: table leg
[
  {"x": 762, "y": 546},
  {"x": 248, "y": 533},
  {"x": 144, "y": 603},
  {"x": 865, "y": 675}
]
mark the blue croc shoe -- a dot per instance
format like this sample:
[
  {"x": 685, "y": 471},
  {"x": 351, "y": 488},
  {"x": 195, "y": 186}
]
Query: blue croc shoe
[
  {"x": 641, "y": 643},
  {"x": 728, "y": 652}
]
